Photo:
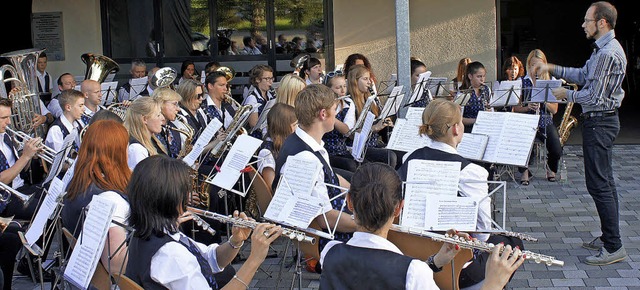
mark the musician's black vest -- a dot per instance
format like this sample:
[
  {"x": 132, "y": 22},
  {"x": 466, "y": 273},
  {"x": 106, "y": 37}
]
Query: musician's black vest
[
  {"x": 350, "y": 267},
  {"x": 426, "y": 153},
  {"x": 72, "y": 209},
  {"x": 63, "y": 128},
  {"x": 139, "y": 262},
  {"x": 294, "y": 145}
]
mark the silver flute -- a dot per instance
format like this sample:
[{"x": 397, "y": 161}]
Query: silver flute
[
  {"x": 286, "y": 232},
  {"x": 4, "y": 198},
  {"x": 476, "y": 244},
  {"x": 204, "y": 225}
]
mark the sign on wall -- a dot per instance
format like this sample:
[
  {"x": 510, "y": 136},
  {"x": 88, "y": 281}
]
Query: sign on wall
[{"x": 48, "y": 33}]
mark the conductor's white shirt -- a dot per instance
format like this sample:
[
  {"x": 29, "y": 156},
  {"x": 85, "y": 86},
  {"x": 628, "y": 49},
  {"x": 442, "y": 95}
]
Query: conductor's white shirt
[
  {"x": 175, "y": 267},
  {"x": 419, "y": 275}
]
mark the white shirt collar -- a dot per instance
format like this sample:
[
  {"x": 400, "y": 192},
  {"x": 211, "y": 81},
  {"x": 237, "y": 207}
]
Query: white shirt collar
[
  {"x": 67, "y": 124},
  {"x": 372, "y": 241},
  {"x": 442, "y": 147},
  {"x": 306, "y": 138}
]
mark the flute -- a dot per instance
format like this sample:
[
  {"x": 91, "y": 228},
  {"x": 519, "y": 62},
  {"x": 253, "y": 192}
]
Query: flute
[
  {"x": 475, "y": 244},
  {"x": 204, "y": 225},
  {"x": 287, "y": 232}
]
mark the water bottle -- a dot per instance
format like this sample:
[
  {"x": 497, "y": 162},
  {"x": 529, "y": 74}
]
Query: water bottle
[{"x": 563, "y": 172}]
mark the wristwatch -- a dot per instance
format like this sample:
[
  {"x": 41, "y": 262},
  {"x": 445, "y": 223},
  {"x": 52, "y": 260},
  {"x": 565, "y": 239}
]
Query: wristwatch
[{"x": 432, "y": 264}]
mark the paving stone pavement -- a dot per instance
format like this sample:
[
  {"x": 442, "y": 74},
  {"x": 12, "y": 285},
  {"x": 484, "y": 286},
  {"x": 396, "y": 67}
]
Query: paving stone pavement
[{"x": 561, "y": 215}]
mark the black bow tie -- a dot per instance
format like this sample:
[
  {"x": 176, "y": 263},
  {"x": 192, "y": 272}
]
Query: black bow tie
[{"x": 595, "y": 46}]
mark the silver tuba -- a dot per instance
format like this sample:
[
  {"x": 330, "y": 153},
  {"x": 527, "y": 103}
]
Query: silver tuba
[
  {"x": 164, "y": 77},
  {"x": 26, "y": 102},
  {"x": 98, "y": 67}
]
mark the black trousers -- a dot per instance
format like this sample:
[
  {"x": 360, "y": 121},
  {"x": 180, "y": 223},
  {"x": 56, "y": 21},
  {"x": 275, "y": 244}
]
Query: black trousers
[
  {"x": 10, "y": 245},
  {"x": 474, "y": 272}
]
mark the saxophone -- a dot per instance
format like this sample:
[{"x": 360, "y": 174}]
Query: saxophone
[
  {"x": 568, "y": 121},
  {"x": 185, "y": 129}
]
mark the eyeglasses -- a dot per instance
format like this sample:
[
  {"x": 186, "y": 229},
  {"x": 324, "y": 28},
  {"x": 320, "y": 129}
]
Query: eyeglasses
[
  {"x": 589, "y": 20},
  {"x": 268, "y": 79}
]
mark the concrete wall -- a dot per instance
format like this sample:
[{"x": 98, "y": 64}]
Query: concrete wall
[
  {"x": 82, "y": 32},
  {"x": 442, "y": 32}
]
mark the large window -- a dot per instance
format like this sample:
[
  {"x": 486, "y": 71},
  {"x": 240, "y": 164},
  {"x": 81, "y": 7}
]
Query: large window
[{"x": 170, "y": 31}]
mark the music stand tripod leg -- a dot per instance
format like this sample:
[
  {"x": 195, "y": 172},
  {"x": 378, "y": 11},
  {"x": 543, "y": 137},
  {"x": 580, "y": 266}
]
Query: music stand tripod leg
[{"x": 297, "y": 275}]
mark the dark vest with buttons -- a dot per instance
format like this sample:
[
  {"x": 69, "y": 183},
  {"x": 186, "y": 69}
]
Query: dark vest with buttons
[
  {"x": 350, "y": 267},
  {"x": 139, "y": 263},
  {"x": 427, "y": 153},
  {"x": 64, "y": 130},
  {"x": 72, "y": 209},
  {"x": 294, "y": 145}
]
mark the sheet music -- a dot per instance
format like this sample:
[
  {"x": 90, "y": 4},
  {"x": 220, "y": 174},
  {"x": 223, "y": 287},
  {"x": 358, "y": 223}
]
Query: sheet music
[
  {"x": 540, "y": 93},
  {"x": 451, "y": 212},
  {"x": 203, "y": 140},
  {"x": 506, "y": 93},
  {"x": 295, "y": 210},
  {"x": 60, "y": 157},
  {"x": 236, "y": 160},
  {"x": 428, "y": 177},
  {"x": 88, "y": 248},
  {"x": 262, "y": 119},
  {"x": 46, "y": 210},
  {"x": 473, "y": 146},
  {"x": 110, "y": 77},
  {"x": 68, "y": 175},
  {"x": 137, "y": 86},
  {"x": 392, "y": 105},
  {"x": 108, "y": 92},
  {"x": 511, "y": 136},
  {"x": 299, "y": 175},
  {"x": 360, "y": 139},
  {"x": 405, "y": 137},
  {"x": 436, "y": 85},
  {"x": 419, "y": 87}
]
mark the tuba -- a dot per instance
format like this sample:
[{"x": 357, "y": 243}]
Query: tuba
[
  {"x": 568, "y": 121},
  {"x": 98, "y": 67},
  {"x": 164, "y": 77},
  {"x": 26, "y": 102}
]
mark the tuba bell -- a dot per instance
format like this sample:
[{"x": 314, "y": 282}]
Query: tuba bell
[
  {"x": 164, "y": 77},
  {"x": 26, "y": 102},
  {"x": 228, "y": 72},
  {"x": 98, "y": 67},
  {"x": 298, "y": 61}
]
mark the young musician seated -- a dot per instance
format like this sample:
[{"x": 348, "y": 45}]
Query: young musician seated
[
  {"x": 93, "y": 98},
  {"x": 260, "y": 78},
  {"x": 144, "y": 120},
  {"x": 369, "y": 261},
  {"x": 72, "y": 105},
  {"x": 160, "y": 256},
  {"x": 316, "y": 111},
  {"x": 12, "y": 163},
  {"x": 101, "y": 169},
  {"x": 281, "y": 122},
  {"x": 480, "y": 93},
  {"x": 442, "y": 123},
  {"x": 216, "y": 105},
  {"x": 335, "y": 141},
  {"x": 170, "y": 138},
  {"x": 138, "y": 70},
  {"x": 192, "y": 93}
]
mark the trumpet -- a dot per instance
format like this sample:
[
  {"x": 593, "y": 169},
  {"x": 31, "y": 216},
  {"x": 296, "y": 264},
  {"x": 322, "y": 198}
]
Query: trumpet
[
  {"x": 475, "y": 244},
  {"x": 287, "y": 232},
  {"x": 10, "y": 191},
  {"x": 47, "y": 154}
]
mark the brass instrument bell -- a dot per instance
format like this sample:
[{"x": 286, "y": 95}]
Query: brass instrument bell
[
  {"x": 98, "y": 67},
  {"x": 164, "y": 77}
]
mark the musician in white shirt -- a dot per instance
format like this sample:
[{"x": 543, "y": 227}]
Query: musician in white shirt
[
  {"x": 375, "y": 198},
  {"x": 160, "y": 255},
  {"x": 143, "y": 121}
]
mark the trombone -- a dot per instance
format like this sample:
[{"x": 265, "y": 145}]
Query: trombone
[{"x": 47, "y": 154}]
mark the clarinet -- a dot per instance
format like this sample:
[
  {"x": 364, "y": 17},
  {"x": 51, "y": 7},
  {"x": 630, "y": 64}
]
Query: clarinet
[
  {"x": 475, "y": 244},
  {"x": 287, "y": 232}
]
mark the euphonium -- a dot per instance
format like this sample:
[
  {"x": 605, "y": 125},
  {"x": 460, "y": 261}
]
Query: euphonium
[
  {"x": 164, "y": 77},
  {"x": 26, "y": 103},
  {"x": 119, "y": 109},
  {"x": 98, "y": 67},
  {"x": 568, "y": 121}
]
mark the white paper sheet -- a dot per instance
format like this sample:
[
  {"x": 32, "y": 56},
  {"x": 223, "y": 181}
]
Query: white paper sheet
[
  {"x": 203, "y": 140},
  {"x": 237, "y": 159},
  {"x": 46, "y": 210},
  {"x": 451, "y": 212}
]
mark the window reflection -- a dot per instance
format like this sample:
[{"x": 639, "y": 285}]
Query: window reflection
[
  {"x": 241, "y": 27},
  {"x": 299, "y": 26}
]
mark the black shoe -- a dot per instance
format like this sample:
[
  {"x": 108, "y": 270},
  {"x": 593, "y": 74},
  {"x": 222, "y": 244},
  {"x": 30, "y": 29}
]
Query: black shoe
[{"x": 23, "y": 268}]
